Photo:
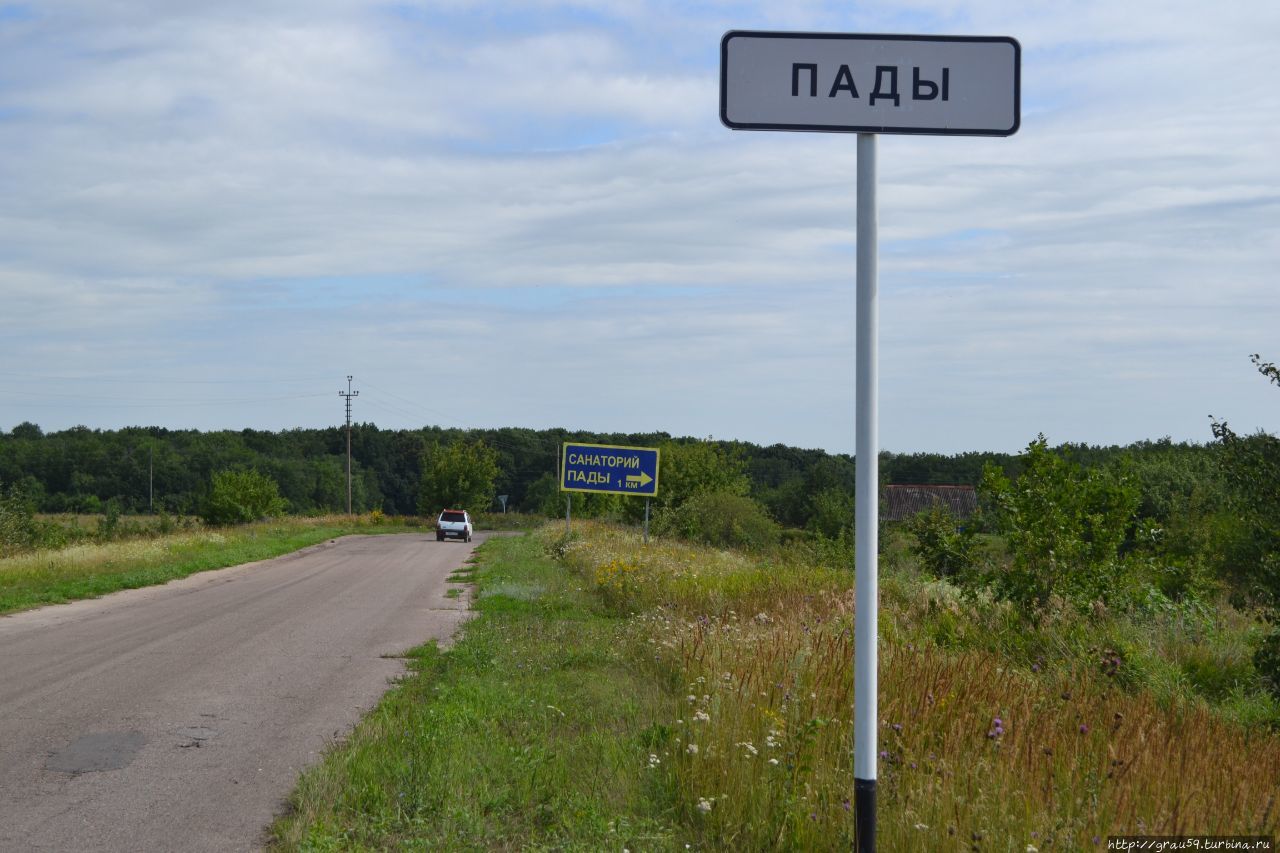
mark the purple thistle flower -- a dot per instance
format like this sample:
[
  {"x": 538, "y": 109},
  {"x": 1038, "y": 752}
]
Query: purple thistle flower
[{"x": 1084, "y": 729}]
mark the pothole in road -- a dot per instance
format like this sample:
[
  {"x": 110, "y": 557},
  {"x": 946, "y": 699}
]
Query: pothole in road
[
  {"x": 97, "y": 752},
  {"x": 195, "y": 735}
]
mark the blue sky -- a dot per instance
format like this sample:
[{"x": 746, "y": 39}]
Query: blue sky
[{"x": 529, "y": 214}]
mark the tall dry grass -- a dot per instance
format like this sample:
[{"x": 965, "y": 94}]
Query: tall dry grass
[{"x": 975, "y": 750}]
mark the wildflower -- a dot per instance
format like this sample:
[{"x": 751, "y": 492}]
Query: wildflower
[
  {"x": 654, "y": 760},
  {"x": 749, "y": 747},
  {"x": 1084, "y": 729},
  {"x": 922, "y": 827},
  {"x": 704, "y": 805},
  {"x": 1032, "y": 849},
  {"x": 692, "y": 749},
  {"x": 692, "y": 698},
  {"x": 701, "y": 717},
  {"x": 773, "y": 761},
  {"x": 897, "y": 727},
  {"x": 884, "y": 756}
]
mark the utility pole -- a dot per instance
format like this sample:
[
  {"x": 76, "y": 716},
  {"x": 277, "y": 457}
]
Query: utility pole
[
  {"x": 348, "y": 394},
  {"x": 151, "y": 478}
]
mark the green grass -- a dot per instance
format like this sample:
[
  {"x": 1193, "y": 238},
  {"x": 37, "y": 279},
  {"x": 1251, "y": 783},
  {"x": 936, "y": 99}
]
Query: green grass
[
  {"x": 533, "y": 732},
  {"x": 92, "y": 569}
]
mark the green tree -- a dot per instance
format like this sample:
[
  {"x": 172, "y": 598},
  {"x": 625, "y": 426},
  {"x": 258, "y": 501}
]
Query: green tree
[
  {"x": 237, "y": 497},
  {"x": 1064, "y": 525},
  {"x": 700, "y": 466},
  {"x": 458, "y": 476},
  {"x": 1250, "y": 546}
]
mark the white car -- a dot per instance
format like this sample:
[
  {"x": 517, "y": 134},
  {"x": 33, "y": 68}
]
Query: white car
[{"x": 455, "y": 523}]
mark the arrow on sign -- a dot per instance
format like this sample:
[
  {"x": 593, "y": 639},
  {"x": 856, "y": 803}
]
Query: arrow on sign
[{"x": 639, "y": 480}]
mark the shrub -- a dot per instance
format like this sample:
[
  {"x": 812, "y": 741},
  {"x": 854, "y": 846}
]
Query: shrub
[
  {"x": 19, "y": 529},
  {"x": 831, "y": 513},
  {"x": 1064, "y": 526},
  {"x": 944, "y": 547},
  {"x": 1266, "y": 660},
  {"x": 1250, "y": 465},
  {"x": 721, "y": 519},
  {"x": 237, "y": 497}
]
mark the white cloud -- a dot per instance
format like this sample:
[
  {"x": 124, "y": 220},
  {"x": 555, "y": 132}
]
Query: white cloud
[{"x": 547, "y": 196}]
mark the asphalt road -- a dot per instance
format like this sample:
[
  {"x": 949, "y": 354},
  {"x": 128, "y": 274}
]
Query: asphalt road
[{"x": 178, "y": 717}]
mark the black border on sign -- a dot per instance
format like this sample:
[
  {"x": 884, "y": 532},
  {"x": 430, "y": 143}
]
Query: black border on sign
[{"x": 851, "y": 128}]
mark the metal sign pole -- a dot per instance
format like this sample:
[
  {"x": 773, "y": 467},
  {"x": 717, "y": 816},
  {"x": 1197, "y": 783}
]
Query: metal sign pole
[
  {"x": 866, "y": 593},
  {"x": 646, "y": 521},
  {"x": 568, "y": 506},
  {"x": 960, "y": 86}
]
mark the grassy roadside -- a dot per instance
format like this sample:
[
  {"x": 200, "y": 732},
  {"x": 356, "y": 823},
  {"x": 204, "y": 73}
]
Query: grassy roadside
[
  {"x": 535, "y": 731},
  {"x": 655, "y": 697},
  {"x": 92, "y": 569},
  {"x": 979, "y": 747}
]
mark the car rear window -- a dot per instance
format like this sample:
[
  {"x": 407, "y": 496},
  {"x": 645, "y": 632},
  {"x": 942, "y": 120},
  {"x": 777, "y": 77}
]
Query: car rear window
[{"x": 453, "y": 516}]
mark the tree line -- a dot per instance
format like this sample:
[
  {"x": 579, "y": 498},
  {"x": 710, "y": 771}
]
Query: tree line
[{"x": 140, "y": 469}]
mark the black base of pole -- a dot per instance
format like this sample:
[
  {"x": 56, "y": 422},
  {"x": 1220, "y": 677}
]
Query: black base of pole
[{"x": 864, "y": 815}]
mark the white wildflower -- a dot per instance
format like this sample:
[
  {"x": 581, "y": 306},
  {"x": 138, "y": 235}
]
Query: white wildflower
[
  {"x": 773, "y": 761},
  {"x": 701, "y": 717},
  {"x": 704, "y": 805},
  {"x": 692, "y": 749}
]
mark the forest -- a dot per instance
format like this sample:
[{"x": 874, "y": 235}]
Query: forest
[{"x": 155, "y": 469}]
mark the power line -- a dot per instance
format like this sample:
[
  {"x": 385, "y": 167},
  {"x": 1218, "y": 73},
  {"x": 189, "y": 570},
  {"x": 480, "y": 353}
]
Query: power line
[
  {"x": 145, "y": 402},
  {"x": 34, "y": 377},
  {"x": 348, "y": 395}
]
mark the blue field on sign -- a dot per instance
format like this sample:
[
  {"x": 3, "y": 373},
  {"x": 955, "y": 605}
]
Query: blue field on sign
[{"x": 609, "y": 469}]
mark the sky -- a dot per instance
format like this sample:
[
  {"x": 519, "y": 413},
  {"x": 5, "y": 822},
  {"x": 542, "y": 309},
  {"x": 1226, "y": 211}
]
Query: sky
[{"x": 529, "y": 214}]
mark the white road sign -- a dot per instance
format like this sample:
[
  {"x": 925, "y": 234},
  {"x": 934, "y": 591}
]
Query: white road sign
[{"x": 948, "y": 85}]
